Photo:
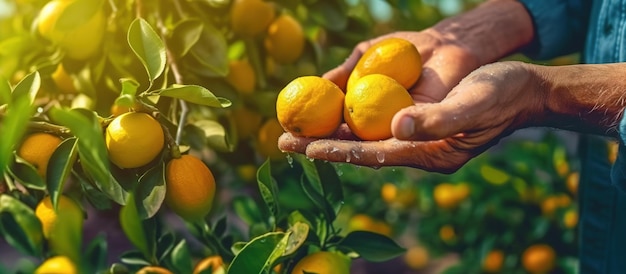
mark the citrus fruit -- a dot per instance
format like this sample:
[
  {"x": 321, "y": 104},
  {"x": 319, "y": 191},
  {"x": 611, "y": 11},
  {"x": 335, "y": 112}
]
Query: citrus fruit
[
  {"x": 250, "y": 18},
  {"x": 447, "y": 234},
  {"x": 241, "y": 76},
  {"x": 393, "y": 57},
  {"x": 57, "y": 265},
  {"x": 323, "y": 262},
  {"x": 449, "y": 196},
  {"x": 371, "y": 104},
  {"x": 79, "y": 41},
  {"x": 267, "y": 139},
  {"x": 247, "y": 122},
  {"x": 552, "y": 203},
  {"x": 416, "y": 257},
  {"x": 538, "y": 258},
  {"x": 310, "y": 106},
  {"x": 364, "y": 222},
  {"x": 48, "y": 216},
  {"x": 134, "y": 139},
  {"x": 397, "y": 197},
  {"x": 572, "y": 182},
  {"x": 215, "y": 263},
  {"x": 284, "y": 40},
  {"x": 150, "y": 269},
  {"x": 63, "y": 80},
  {"x": 570, "y": 218},
  {"x": 493, "y": 261},
  {"x": 190, "y": 187},
  {"x": 37, "y": 148}
]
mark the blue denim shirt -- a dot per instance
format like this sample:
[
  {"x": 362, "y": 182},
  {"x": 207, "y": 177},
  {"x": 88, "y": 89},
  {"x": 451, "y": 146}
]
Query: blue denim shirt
[{"x": 597, "y": 29}]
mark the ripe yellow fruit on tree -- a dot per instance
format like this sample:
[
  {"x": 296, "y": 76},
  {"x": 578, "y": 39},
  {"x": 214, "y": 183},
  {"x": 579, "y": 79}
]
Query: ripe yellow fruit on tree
[
  {"x": 134, "y": 139},
  {"x": 393, "y": 57},
  {"x": 190, "y": 187},
  {"x": 416, "y": 257},
  {"x": 310, "y": 106},
  {"x": 371, "y": 104},
  {"x": 284, "y": 40},
  {"x": 37, "y": 148},
  {"x": 493, "y": 261},
  {"x": 538, "y": 259},
  {"x": 48, "y": 216},
  {"x": 323, "y": 262},
  {"x": 249, "y": 18},
  {"x": 267, "y": 140},
  {"x": 214, "y": 262},
  {"x": 80, "y": 41},
  {"x": 63, "y": 80},
  {"x": 241, "y": 76},
  {"x": 57, "y": 265}
]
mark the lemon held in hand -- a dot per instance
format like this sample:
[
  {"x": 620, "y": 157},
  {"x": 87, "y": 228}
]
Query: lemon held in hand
[
  {"x": 134, "y": 139},
  {"x": 394, "y": 57},
  {"x": 190, "y": 187},
  {"x": 310, "y": 106},
  {"x": 371, "y": 104}
]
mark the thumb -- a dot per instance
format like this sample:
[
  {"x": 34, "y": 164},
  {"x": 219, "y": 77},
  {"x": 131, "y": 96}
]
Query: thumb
[{"x": 428, "y": 121}]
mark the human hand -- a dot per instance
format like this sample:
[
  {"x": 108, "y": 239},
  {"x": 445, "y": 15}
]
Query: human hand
[{"x": 487, "y": 105}]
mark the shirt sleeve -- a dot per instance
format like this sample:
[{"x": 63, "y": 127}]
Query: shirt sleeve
[{"x": 560, "y": 27}]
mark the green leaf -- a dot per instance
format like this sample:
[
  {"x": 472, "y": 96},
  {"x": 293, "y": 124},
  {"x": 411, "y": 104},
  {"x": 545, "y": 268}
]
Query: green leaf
[
  {"x": 77, "y": 13},
  {"x": 96, "y": 253},
  {"x": 247, "y": 210},
  {"x": 194, "y": 94},
  {"x": 128, "y": 93},
  {"x": 185, "y": 35},
  {"x": 211, "y": 52},
  {"x": 371, "y": 246},
  {"x": 91, "y": 149},
  {"x": 299, "y": 232},
  {"x": 181, "y": 258},
  {"x": 139, "y": 234},
  {"x": 60, "y": 166},
  {"x": 151, "y": 191},
  {"x": 323, "y": 179},
  {"x": 148, "y": 47},
  {"x": 67, "y": 234},
  {"x": 330, "y": 14},
  {"x": 215, "y": 135},
  {"x": 20, "y": 227},
  {"x": 28, "y": 87},
  {"x": 265, "y": 249},
  {"x": 268, "y": 188},
  {"x": 5, "y": 91},
  {"x": 12, "y": 129},
  {"x": 26, "y": 174}
]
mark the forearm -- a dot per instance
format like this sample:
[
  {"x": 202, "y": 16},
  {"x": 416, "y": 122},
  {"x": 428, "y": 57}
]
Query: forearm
[
  {"x": 491, "y": 31},
  {"x": 584, "y": 98}
]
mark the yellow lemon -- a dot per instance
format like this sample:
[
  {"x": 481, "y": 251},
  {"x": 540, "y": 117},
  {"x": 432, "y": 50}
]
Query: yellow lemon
[
  {"x": 267, "y": 140},
  {"x": 57, "y": 265},
  {"x": 37, "y": 148},
  {"x": 215, "y": 263},
  {"x": 250, "y": 18},
  {"x": 323, "y": 262},
  {"x": 190, "y": 187},
  {"x": 247, "y": 122},
  {"x": 570, "y": 218},
  {"x": 63, "y": 80},
  {"x": 393, "y": 57},
  {"x": 310, "y": 106},
  {"x": 447, "y": 234},
  {"x": 241, "y": 76},
  {"x": 150, "y": 269},
  {"x": 416, "y": 257},
  {"x": 493, "y": 261},
  {"x": 538, "y": 259},
  {"x": 284, "y": 40},
  {"x": 48, "y": 216},
  {"x": 371, "y": 104},
  {"x": 134, "y": 139},
  {"x": 79, "y": 42}
]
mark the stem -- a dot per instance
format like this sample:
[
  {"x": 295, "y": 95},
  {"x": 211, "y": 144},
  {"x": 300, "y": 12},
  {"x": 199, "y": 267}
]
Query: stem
[{"x": 178, "y": 79}]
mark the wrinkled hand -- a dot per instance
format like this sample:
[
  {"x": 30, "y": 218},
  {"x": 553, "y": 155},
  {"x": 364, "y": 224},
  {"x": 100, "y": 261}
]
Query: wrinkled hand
[{"x": 487, "y": 105}]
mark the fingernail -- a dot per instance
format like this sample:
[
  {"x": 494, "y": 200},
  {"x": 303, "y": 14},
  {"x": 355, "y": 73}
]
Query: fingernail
[{"x": 406, "y": 128}]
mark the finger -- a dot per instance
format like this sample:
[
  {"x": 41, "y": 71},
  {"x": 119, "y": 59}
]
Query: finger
[
  {"x": 431, "y": 156},
  {"x": 340, "y": 74},
  {"x": 290, "y": 143},
  {"x": 431, "y": 121}
]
